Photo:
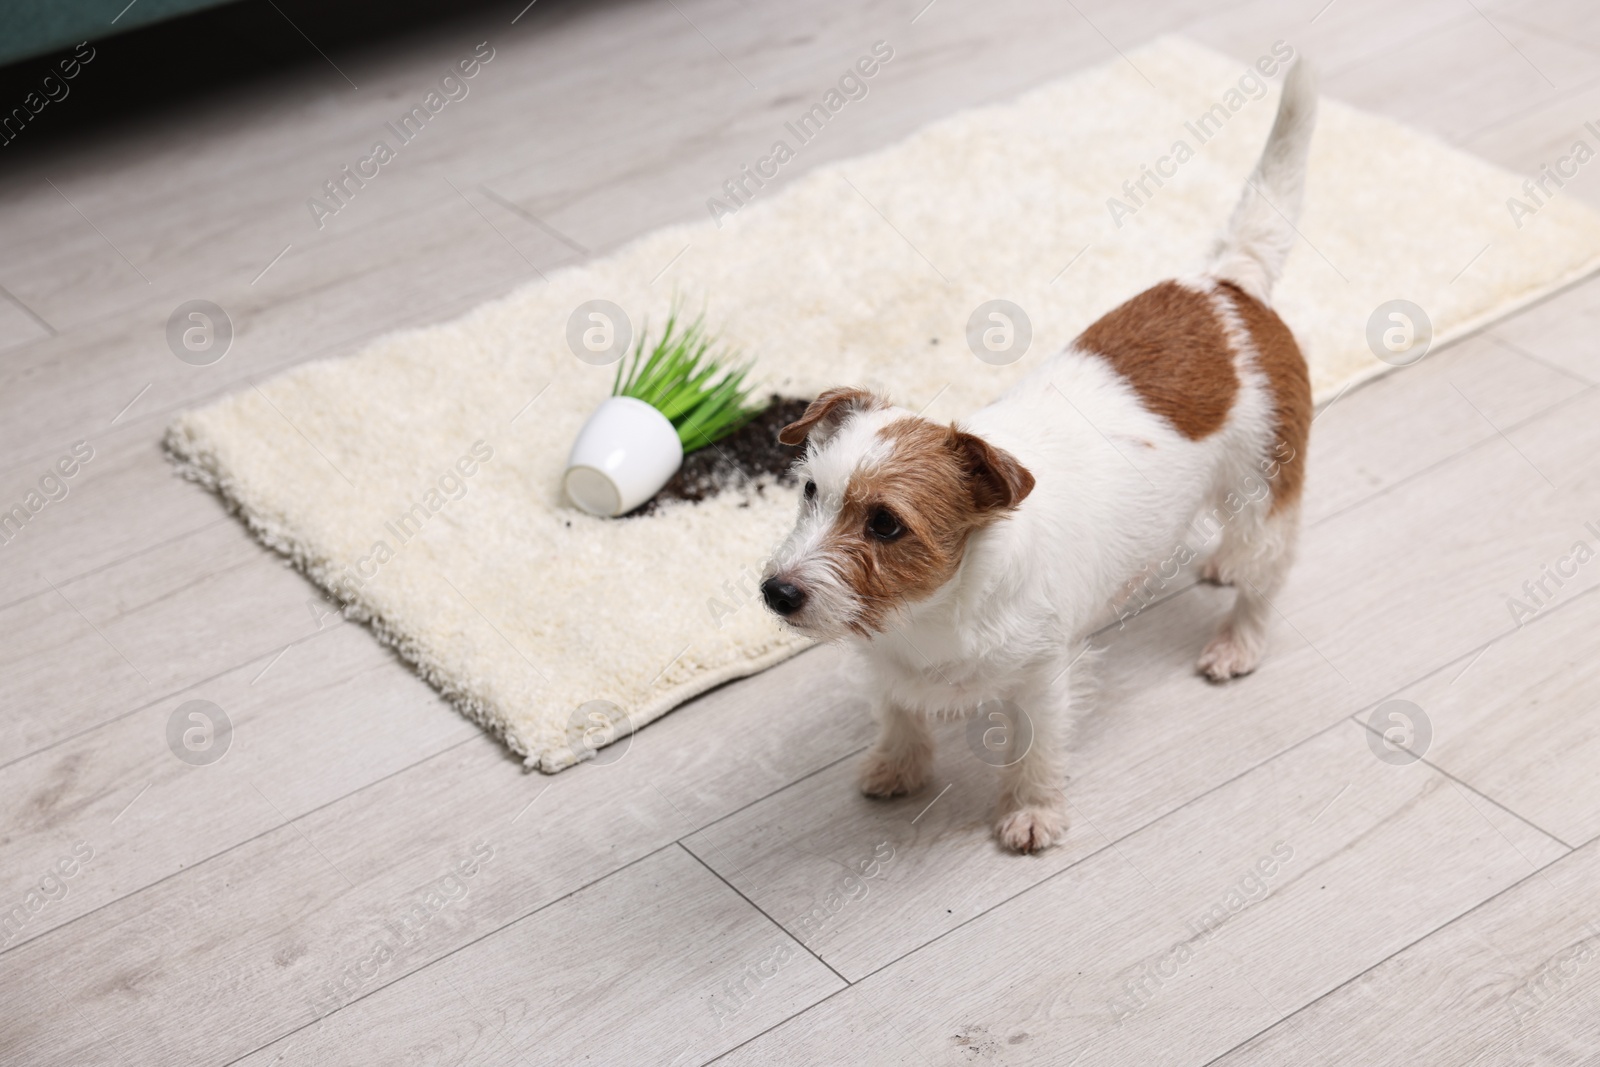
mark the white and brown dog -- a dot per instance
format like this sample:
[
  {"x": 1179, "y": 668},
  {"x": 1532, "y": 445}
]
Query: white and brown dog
[{"x": 956, "y": 558}]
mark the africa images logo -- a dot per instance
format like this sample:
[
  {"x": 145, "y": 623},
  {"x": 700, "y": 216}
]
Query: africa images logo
[
  {"x": 52, "y": 90},
  {"x": 852, "y": 85},
  {"x": 1203, "y": 128},
  {"x": 49, "y": 889},
  {"x": 403, "y": 930},
  {"x": 54, "y": 485},
  {"x": 450, "y": 486},
  {"x": 342, "y": 188}
]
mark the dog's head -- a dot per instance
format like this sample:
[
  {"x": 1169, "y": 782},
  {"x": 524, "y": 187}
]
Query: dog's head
[{"x": 890, "y": 501}]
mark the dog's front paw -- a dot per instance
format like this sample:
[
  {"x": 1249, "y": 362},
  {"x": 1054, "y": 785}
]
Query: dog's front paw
[
  {"x": 1228, "y": 656},
  {"x": 887, "y": 773},
  {"x": 1032, "y": 829}
]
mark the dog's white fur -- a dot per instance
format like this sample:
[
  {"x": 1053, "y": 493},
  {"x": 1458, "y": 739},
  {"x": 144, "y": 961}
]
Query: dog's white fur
[{"x": 1117, "y": 486}]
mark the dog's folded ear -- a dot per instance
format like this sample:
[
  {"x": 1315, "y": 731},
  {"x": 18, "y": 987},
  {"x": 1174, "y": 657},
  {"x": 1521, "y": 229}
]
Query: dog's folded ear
[
  {"x": 997, "y": 480},
  {"x": 827, "y": 413}
]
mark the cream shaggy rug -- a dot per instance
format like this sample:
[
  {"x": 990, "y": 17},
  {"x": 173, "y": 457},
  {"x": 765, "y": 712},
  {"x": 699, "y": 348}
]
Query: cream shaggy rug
[{"x": 420, "y": 478}]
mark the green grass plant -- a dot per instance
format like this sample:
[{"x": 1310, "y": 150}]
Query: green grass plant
[{"x": 682, "y": 377}]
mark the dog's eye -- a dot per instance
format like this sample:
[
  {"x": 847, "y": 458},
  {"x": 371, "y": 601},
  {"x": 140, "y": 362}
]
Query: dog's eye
[
  {"x": 884, "y": 526},
  {"x": 811, "y": 490}
]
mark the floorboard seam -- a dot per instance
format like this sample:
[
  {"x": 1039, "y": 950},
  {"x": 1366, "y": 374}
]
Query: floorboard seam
[
  {"x": 509, "y": 922},
  {"x": 1365, "y": 971},
  {"x": 444, "y": 956},
  {"x": 38, "y": 320},
  {"x": 438, "y": 315},
  {"x": 1109, "y": 843},
  {"x": 1402, "y": 47},
  {"x": 236, "y": 845},
  {"x": 1543, "y": 615},
  {"x": 1474, "y": 791},
  {"x": 1452, "y": 458},
  {"x": 120, "y": 560},
  {"x": 763, "y": 912},
  {"x": 1311, "y": 737},
  {"x": 787, "y": 785},
  {"x": 168, "y": 695},
  {"x": 1494, "y": 337}
]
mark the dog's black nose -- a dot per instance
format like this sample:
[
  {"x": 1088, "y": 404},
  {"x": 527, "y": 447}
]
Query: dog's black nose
[{"x": 783, "y": 597}]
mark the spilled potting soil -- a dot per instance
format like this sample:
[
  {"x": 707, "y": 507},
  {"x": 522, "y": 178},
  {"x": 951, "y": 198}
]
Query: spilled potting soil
[{"x": 751, "y": 455}]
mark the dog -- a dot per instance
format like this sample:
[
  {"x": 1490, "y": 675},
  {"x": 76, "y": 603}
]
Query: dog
[{"x": 969, "y": 562}]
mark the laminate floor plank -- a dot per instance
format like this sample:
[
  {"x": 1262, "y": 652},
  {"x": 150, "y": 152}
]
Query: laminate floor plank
[
  {"x": 1422, "y": 415},
  {"x": 1519, "y": 721},
  {"x": 1430, "y": 911},
  {"x": 1449, "y": 70},
  {"x": 1512, "y": 981},
  {"x": 1433, "y": 558},
  {"x": 120, "y": 371},
  {"x": 151, "y": 799},
  {"x": 1560, "y": 331},
  {"x": 318, "y": 888},
  {"x": 680, "y": 968},
  {"x": 1193, "y": 934},
  {"x": 1151, "y": 736}
]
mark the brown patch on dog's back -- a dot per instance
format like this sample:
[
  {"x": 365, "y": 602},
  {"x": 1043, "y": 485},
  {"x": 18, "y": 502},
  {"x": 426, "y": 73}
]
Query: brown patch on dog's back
[
  {"x": 1170, "y": 346},
  {"x": 941, "y": 484},
  {"x": 1289, "y": 383}
]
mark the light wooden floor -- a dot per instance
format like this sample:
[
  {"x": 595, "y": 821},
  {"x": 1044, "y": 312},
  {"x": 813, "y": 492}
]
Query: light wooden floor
[{"x": 368, "y": 879}]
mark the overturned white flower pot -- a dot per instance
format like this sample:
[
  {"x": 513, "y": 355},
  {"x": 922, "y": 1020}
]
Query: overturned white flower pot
[{"x": 624, "y": 454}]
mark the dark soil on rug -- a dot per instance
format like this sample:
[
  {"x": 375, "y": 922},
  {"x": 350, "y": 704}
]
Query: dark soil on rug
[{"x": 750, "y": 456}]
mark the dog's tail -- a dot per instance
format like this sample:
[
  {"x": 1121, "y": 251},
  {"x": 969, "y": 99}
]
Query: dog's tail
[{"x": 1261, "y": 231}]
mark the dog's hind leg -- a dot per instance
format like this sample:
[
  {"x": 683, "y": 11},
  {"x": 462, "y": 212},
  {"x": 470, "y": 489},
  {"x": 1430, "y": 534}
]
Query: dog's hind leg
[
  {"x": 1258, "y": 540},
  {"x": 1254, "y": 556}
]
